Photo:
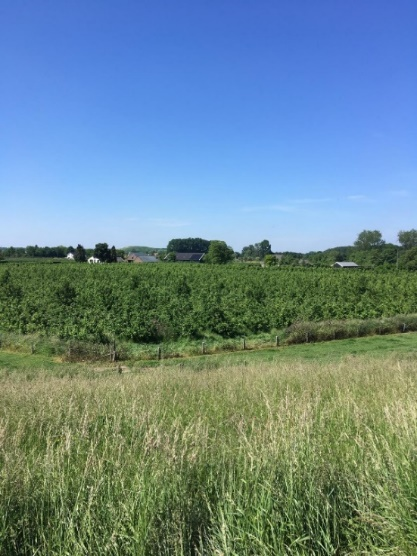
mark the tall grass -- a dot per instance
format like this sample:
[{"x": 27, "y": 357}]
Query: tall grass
[
  {"x": 262, "y": 459},
  {"x": 298, "y": 333}
]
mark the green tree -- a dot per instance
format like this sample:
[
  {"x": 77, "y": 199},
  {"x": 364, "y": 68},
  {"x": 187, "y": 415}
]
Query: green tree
[
  {"x": 259, "y": 250},
  {"x": 219, "y": 253},
  {"x": 263, "y": 248},
  {"x": 170, "y": 258},
  {"x": 10, "y": 252},
  {"x": 102, "y": 252},
  {"x": 291, "y": 259},
  {"x": 188, "y": 245},
  {"x": 329, "y": 256},
  {"x": 270, "y": 260},
  {"x": 248, "y": 252},
  {"x": 113, "y": 255},
  {"x": 368, "y": 239},
  {"x": 80, "y": 254},
  {"x": 408, "y": 239},
  {"x": 408, "y": 259},
  {"x": 32, "y": 251}
]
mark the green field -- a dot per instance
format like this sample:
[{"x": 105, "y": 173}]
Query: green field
[
  {"x": 302, "y": 450},
  {"x": 259, "y": 446},
  {"x": 169, "y": 302}
]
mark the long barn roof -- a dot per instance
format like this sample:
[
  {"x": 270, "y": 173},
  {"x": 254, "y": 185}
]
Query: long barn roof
[{"x": 193, "y": 257}]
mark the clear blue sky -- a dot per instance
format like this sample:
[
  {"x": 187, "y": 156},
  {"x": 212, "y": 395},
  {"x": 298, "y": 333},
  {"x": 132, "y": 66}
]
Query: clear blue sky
[{"x": 132, "y": 122}]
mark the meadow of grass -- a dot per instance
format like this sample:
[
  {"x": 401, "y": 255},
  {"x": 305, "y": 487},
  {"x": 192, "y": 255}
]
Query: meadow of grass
[{"x": 259, "y": 457}]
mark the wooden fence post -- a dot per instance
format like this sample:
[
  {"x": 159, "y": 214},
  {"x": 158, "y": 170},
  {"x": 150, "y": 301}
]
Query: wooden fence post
[{"x": 159, "y": 353}]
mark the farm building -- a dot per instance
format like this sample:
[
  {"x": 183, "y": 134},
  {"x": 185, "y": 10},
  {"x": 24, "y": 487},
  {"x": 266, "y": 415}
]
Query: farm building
[
  {"x": 141, "y": 258},
  {"x": 345, "y": 264},
  {"x": 189, "y": 257},
  {"x": 93, "y": 260}
]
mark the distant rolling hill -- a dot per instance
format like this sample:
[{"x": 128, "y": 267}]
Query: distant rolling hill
[{"x": 142, "y": 249}]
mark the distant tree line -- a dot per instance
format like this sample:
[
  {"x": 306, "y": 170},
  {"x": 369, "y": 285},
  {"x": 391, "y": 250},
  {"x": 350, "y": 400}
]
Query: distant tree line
[
  {"x": 216, "y": 251},
  {"x": 368, "y": 250},
  {"x": 371, "y": 250},
  {"x": 256, "y": 251},
  {"x": 101, "y": 250},
  {"x": 34, "y": 251}
]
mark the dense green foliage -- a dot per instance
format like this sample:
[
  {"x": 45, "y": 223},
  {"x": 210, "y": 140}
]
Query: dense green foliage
[
  {"x": 34, "y": 251},
  {"x": 368, "y": 239},
  {"x": 188, "y": 245},
  {"x": 219, "y": 253},
  {"x": 408, "y": 239},
  {"x": 369, "y": 250},
  {"x": 257, "y": 251},
  {"x": 79, "y": 254},
  {"x": 104, "y": 253},
  {"x": 386, "y": 255},
  {"x": 145, "y": 303}
]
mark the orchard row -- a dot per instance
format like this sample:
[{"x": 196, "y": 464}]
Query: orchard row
[{"x": 151, "y": 303}]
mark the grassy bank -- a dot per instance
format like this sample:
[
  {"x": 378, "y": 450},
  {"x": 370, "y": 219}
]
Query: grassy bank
[
  {"x": 117, "y": 350},
  {"x": 266, "y": 457}
]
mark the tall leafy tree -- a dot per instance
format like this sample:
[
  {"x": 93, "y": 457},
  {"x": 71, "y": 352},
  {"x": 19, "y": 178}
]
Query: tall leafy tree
[
  {"x": 113, "y": 255},
  {"x": 102, "y": 252},
  {"x": 248, "y": 252},
  {"x": 219, "y": 253},
  {"x": 80, "y": 254},
  {"x": 258, "y": 250},
  {"x": 408, "y": 239},
  {"x": 263, "y": 248},
  {"x": 369, "y": 239}
]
